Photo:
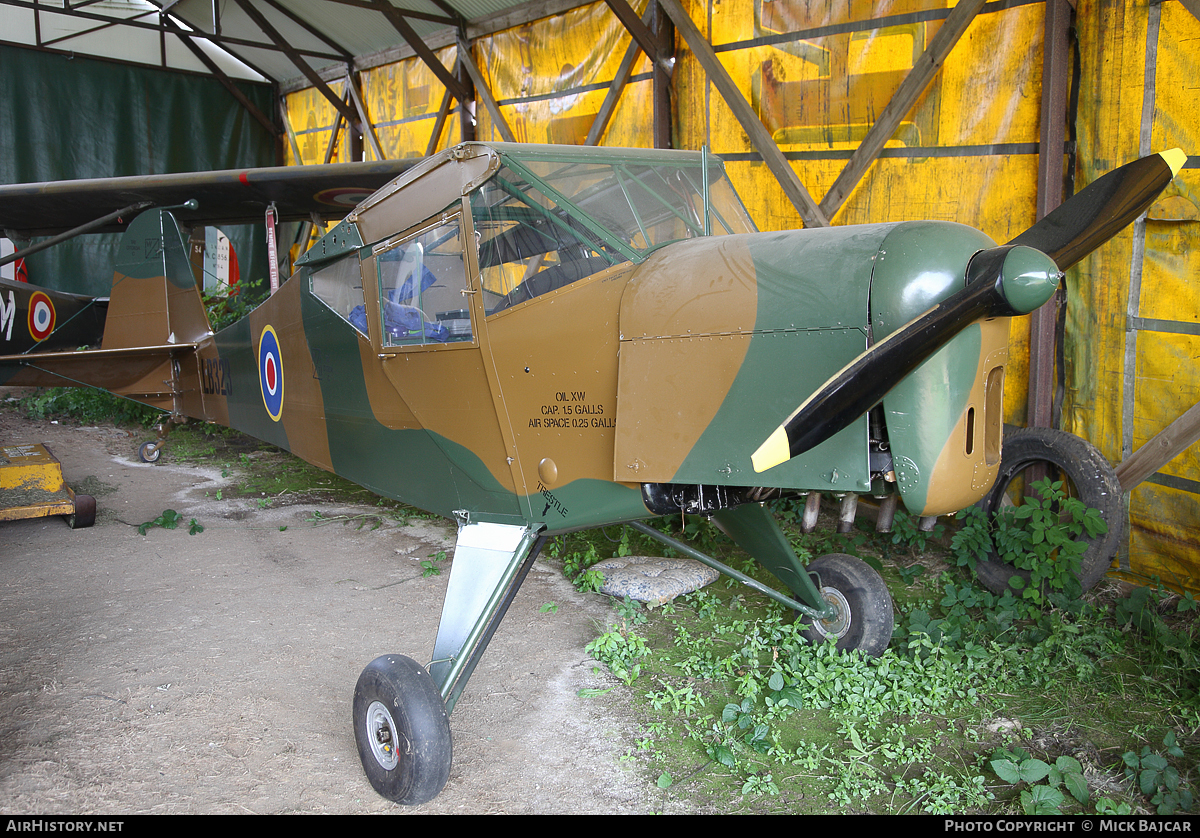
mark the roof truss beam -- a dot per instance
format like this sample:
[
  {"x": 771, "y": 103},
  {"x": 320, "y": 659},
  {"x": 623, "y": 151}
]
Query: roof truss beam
[
  {"x": 640, "y": 31},
  {"x": 396, "y": 18},
  {"x": 296, "y": 58},
  {"x": 220, "y": 75}
]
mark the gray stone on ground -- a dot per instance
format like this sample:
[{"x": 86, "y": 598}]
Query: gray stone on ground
[{"x": 653, "y": 579}]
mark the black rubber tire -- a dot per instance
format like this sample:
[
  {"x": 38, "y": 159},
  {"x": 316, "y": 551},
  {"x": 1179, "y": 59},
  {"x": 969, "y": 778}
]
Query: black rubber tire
[
  {"x": 866, "y": 619},
  {"x": 396, "y": 701},
  {"x": 84, "y": 514},
  {"x": 1086, "y": 475},
  {"x": 152, "y": 456}
]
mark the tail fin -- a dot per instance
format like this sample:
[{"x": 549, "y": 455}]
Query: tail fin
[{"x": 154, "y": 300}]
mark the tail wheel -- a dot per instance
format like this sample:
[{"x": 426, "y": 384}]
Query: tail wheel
[
  {"x": 148, "y": 453},
  {"x": 863, "y": 618},
  {"x": 402, "y": 730},
  {"x": 1085, "y": 474}
]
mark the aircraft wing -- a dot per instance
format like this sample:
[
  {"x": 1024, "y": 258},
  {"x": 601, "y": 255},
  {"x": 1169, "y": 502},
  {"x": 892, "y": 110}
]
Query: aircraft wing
[{"x": 233, "y": 196}]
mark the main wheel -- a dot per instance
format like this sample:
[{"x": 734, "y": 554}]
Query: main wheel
[
  {"x": 864, "y": 618},
  {"x": 402, "y": 730},
  {"x": 1085, "y": 475},
  {"x": 147, "y": 453}
]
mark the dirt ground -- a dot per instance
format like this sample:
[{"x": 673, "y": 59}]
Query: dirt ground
[{"x": 213, "y": 673}]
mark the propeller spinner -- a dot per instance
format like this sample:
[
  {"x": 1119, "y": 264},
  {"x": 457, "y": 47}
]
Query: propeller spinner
[{"x": 1000, "y": 282}]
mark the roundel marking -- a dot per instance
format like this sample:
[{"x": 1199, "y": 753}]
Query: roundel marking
[
  {"x": 346, "y": 197},
  {"x": 41, "y": 316},
  {"x": 270, "y": 372}
]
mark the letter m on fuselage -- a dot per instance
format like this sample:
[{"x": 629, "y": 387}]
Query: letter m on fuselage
[{"x": 8, "y": 313}]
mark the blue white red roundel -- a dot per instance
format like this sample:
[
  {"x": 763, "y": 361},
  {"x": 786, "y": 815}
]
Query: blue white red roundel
[
  {"x": 41, "y": 316},
  {"x": 270, "y": 372}
]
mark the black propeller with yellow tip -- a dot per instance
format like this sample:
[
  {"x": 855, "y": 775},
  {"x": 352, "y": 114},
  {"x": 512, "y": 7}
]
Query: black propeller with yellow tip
[{"x": 1001, "y": 282}]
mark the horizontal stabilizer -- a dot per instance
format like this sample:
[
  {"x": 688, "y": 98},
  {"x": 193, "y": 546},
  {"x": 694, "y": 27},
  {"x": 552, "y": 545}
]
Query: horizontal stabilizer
[{"x": 122, "y": 371}]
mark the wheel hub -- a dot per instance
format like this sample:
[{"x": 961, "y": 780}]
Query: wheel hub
[
  {"x": 381, "y": 733},
  {"x": 839, "y": 623}
]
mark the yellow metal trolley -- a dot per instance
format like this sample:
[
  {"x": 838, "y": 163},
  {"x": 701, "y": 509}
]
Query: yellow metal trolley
[{"x": 32, "y": 486}]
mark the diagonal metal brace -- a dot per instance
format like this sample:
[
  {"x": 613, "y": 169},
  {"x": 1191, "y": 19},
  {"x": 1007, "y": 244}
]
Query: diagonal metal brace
[{"x": 817, "y": 606}]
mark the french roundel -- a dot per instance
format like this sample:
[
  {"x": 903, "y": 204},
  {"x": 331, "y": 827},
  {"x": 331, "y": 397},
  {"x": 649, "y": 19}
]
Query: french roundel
[
  {"x": 41, "y": 316},
  {"x": 270, "y": 372},
  {"x": 346, "y": 197}
]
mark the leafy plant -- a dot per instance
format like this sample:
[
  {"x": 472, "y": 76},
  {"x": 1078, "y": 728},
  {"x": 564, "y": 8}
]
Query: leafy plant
[
  {"x": 908, "y": 534},
  {"x": 1157, "y": 779},
  {"x": 621, "y": 651},
  {"x": 85, "y": 404},
  {"x": 169, "y": 520},
  {"x": 429, "y": 566},
  {"x": 1042, "y": 536},
  {"x": 224, "y": 310},
  {"x": 1017, "y": 767}
]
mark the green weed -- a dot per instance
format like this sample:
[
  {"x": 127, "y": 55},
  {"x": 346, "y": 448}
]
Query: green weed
[
  {"x": 736, "y": 689},
  {"x": 169, "y": 520}
]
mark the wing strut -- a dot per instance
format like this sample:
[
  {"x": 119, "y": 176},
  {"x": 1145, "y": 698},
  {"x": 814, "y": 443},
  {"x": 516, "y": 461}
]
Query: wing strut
[{"x": 72, "y": 233}]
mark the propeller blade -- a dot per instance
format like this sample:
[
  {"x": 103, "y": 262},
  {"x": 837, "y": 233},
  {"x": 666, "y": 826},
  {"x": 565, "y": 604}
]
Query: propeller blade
[
  {"x": 1101, "y": 210},
  {"x": 1001, "y": 282}
]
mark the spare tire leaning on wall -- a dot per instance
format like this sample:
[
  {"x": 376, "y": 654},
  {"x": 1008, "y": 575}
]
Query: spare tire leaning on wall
[{"x": 1086, "y": 475}]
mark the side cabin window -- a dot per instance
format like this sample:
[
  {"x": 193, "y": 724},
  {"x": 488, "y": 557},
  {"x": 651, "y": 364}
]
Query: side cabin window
[
  {"x": 422, "y": 287},
  {"x": 529, "y": 246},
  {"x": 339, "y": 286}
]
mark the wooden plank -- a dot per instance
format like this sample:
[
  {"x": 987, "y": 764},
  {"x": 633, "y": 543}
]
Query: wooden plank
[
  {"x": 1043, "y": 323},
  {"x": 1161, "y": 449},
  {"x": 640, "y": 31},
  {"x": 609, "y": 105},
  {"x": 759, "y": 137},
  {"x": 914, "y": 84},
  {"x": 482, "y": 92},
  {"x": 368, "y": 126},
  {"x": 664, "y": 71},
  {"x": 439, "y": 124}
]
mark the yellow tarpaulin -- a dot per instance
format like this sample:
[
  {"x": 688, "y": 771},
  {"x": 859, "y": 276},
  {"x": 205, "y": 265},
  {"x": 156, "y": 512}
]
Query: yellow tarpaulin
[
  {"x": 550, "y": 78},
  {"x": 403, "y": 101},
  {"x": 311, "y": 120},
  {"x": 1133, "y": 325}
]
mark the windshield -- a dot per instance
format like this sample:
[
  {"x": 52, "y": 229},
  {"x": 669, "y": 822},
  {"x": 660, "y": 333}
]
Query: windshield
[
  {"x": 645, "y": 204},
  {"x": 543, "y": 223}
]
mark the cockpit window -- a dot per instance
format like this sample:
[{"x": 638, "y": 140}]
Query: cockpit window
[
  {"x": 528, "y": 245},
  {"x": 422, "y": 280},
  {"x": 642, "y": 203},
  {"x": 339, "y": 286},
  {"x": 647, "y": 205}
]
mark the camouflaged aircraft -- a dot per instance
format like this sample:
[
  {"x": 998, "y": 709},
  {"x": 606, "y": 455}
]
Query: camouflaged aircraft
[{"x": 538, "y": 339}]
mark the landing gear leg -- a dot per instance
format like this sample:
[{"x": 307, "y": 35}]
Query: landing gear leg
[{"x": 401, "y": 712}]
